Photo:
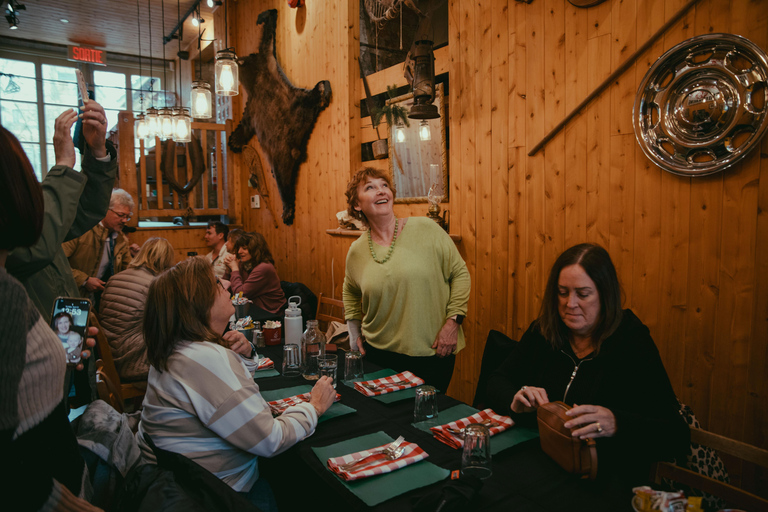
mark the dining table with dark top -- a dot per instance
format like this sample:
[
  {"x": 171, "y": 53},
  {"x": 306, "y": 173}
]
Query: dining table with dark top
[{"x": 524, "y": 478}]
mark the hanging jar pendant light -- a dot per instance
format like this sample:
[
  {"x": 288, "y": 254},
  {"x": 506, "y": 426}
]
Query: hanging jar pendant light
[
  {"x": 165, "y": 120},
  {"x": 153, "y": 123},
  {"x": 425, "y": 133},
  {"x": 141, "y": 127},
  {"x": 201, "y": 100},
  {"x": 183, "y": 122},
  {"x": 227, "y": 83}
]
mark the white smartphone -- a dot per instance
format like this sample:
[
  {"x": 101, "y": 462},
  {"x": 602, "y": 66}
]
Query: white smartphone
[
  {"x": 82, "y": 90},
  {"x": 70, "y": 323}
]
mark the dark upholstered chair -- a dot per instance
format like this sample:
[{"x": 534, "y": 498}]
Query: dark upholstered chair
[{"x": 498, "y": 346}]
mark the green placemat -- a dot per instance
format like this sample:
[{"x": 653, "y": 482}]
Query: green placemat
[
  {"x": 387, "y": 398},
  {"x": 499, "y": 442},
  {"x": 380, "y": 488},
  {"x": 260, "y": 374},
  {"x": 334, "y": 411}
]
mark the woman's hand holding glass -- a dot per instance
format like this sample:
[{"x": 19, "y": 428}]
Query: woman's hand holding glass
[
  {"x": 322, "y": 395},
  {"x": 528, "y": 399},
  {"x": 591, "y": 421}
]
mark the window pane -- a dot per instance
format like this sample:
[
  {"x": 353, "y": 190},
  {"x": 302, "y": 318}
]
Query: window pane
[
  {"x": 33, "y": 153},
  {"x": 112, "y": 116},
  {"x": 51, "y": 154},
  {"x": 21, "y": 120},
  {"x": 17, "y": 87},
  {"x": 51, "y": 113},
  {"x": 110, "y": 89},
  {"x": 59, "y": 85},
  {"x": 140, "y": 85}
]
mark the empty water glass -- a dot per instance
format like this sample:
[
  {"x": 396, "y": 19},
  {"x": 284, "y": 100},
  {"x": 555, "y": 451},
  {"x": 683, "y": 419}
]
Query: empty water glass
[
  {"x": 476, "y": 457},
  {"x": 425, "y": 406},
  {"x": 328, "y": 364},
  {"x": 291, "y": 360},
  {"x": 353, "y": 366}
]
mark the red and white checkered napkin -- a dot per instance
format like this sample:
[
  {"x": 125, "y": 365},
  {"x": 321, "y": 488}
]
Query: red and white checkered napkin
[
  {"x": 376, "y": 464},
  {"x": 265, "y": 363},
  {"x": 386, "y": 384},
  {"x": 456, "y": 441},
  {"x": 279, "y": 406}
]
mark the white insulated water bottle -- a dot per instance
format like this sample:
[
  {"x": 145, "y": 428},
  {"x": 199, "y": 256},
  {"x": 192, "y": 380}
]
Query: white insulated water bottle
[{"x": 293, "y": 321}]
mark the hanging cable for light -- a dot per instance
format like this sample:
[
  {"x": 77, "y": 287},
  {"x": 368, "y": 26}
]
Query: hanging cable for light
[
  {"x": 140, "y": 126},
  {"x": 425, "y": 133},
  {"x": 153, "y": 124},
  {"x": 227, "y": 79},
  {"x": 165, "y": 116},
  {"x": 201, "y": 90}
]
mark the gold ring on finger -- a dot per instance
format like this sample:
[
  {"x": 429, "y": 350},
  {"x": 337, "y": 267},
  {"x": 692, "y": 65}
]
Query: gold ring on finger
[{"x": 599, "y": 428}]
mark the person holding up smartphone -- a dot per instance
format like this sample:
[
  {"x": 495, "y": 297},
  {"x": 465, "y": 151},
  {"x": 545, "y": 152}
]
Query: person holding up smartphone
[{"x": 39, "y": 448}]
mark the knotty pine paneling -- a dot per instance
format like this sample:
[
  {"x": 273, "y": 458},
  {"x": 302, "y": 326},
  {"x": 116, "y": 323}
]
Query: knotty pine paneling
[{"x": 691, "y": 254}]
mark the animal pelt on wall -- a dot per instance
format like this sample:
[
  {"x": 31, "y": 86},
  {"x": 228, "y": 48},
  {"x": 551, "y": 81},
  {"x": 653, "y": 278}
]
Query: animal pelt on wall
[{"x": 280, "y": 115}]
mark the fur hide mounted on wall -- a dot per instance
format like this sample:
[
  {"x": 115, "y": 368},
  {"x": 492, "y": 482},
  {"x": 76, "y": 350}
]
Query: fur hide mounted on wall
[{"x": 280, "y": 115}]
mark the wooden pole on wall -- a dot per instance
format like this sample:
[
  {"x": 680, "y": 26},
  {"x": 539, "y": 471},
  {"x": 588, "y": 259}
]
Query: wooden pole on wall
[{"x": 613, "y": 76}]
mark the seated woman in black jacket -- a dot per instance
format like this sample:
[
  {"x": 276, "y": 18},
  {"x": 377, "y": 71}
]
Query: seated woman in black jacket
[{"x": 586, "y": 351}]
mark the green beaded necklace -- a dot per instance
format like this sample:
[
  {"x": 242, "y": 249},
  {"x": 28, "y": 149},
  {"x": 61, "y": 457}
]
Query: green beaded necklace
[{"x": 391, "y": 246}]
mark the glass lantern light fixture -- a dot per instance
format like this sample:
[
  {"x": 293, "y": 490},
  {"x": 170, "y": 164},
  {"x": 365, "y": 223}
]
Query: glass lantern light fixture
[
  {"x": 425, "y": 134},
  {"x": 183, "y": 125},
  {"x": 201, "y": 100},
  {"x": 153, "y": 123},
  {"x": 227, "y": 80},
  {"x": 141, "y": 127},
  {"x": 399, "y": 132},
  {"x": 165, "y": 120}
]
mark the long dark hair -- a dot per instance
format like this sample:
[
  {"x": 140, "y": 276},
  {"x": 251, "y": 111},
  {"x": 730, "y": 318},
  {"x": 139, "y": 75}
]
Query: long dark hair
[
  {"x": 178, "y": 309},
  {"x": 257, "y": 247},
  {"x": 21, "y": 196},
  {"x": 597, "y": 263}
]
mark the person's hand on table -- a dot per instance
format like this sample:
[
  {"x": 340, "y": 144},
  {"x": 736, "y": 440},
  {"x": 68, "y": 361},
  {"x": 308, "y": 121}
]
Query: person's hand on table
[
  {"x": 95, "y": 127},
  {"x": 322, "y": 395},
  {"x": 90, "y": 342},
  {"x": 63, "y": 147},
  {"x": 93, "y": 284},
  {"x": 447, "y": 339},
  {"x": 591, "y": 421},
  {"x": 528, "y": 399},
  {"x": 238, "y": 343}
]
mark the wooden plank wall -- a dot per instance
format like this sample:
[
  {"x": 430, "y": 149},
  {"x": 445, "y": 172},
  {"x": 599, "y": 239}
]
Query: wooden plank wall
[
  {"x": 692, "y": 255},
  {"x": 183, "y": 239}
]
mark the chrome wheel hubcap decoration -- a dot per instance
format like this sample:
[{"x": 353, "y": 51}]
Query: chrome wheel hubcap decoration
[{"x": 702, "y": 106}]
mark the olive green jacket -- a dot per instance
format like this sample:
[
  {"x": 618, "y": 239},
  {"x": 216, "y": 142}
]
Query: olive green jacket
[
  {"x": 84, "y": 254},
  {"x": 74, "y": 203}
]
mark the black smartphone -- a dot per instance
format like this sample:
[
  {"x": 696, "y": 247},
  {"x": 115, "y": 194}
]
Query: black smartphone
[{"x": 70, "y": 323}]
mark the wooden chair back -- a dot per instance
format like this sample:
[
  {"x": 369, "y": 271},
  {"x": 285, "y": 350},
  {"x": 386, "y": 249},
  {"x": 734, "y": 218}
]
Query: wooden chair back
[
  {"x": 732, "y": 495},
  {"x": 329, "y": 310},
  {"x": 112, "y": 387}
]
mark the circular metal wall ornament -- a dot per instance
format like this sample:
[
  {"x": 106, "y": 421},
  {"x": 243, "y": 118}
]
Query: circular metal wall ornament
[{"x": 703, "y": 105}]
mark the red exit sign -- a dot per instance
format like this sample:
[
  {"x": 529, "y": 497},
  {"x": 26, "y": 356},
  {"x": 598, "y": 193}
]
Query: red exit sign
[{"x": 88, "y": 54}]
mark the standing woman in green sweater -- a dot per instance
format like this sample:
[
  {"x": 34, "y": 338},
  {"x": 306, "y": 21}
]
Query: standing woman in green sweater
[{"x": 405, "y": 288}]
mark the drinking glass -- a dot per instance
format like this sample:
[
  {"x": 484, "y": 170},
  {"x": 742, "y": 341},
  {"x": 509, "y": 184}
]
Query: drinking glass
[
  {"x": 291, "y": 360},
  {"x": 476, "y": 457},
  {"x": 353, "y": 366},
  {"x": 328, "y": 364},
  {"x": 425, "y": 406}
]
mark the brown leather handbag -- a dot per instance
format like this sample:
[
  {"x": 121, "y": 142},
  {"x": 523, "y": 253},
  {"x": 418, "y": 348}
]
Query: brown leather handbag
[{"x": 572, "y": 454}]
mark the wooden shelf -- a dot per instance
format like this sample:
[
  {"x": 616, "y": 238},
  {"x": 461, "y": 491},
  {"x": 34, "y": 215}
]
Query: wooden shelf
[{"x": 356, "y": 233}]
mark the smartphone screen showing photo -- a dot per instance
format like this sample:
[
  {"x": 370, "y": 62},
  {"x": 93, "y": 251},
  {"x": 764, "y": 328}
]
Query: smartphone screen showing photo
[{"x": 70, "y": 323}]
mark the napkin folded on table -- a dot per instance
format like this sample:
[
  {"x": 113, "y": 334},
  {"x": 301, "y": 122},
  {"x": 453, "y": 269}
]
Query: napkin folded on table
[
  {"x": 386, "y": 384},
  {"x": 265, "y": 363},
  {"x": 377, "y": 464},
  {"x": 279, "y": 406},
  {"x": 253, "y": 365},
  {"x": 457, "y": 441}
]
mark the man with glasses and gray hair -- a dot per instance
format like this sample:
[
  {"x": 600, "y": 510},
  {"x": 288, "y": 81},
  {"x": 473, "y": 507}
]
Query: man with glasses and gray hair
[{"x": 104, "y": 250}]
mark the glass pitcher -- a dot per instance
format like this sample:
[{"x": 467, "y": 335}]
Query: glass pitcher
[{"x": 312, "y": 346}]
